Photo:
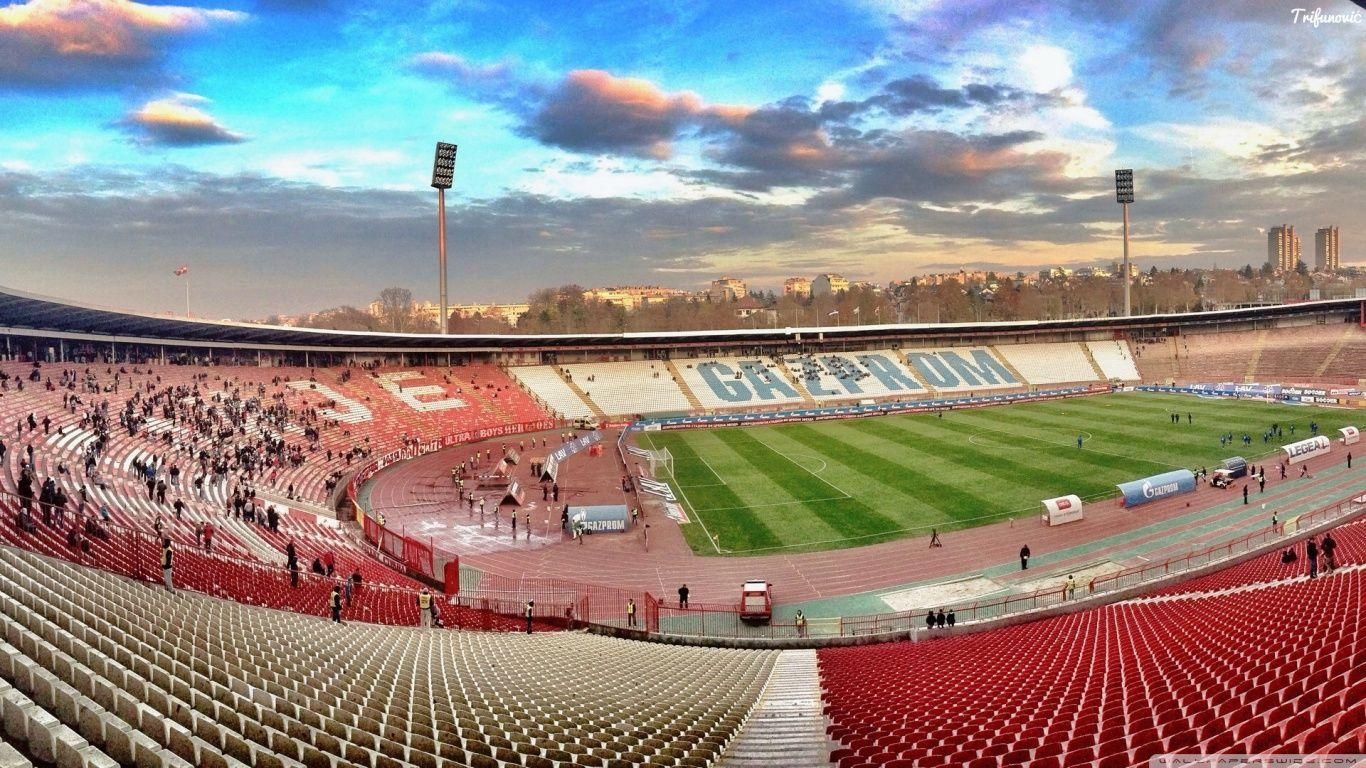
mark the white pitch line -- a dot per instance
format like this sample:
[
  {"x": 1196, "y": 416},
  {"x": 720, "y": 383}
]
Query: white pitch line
[
  {"x": 774, "y": 504},
  {"x": 847, "y": 495},
  {"x": 684, "y": 497}
]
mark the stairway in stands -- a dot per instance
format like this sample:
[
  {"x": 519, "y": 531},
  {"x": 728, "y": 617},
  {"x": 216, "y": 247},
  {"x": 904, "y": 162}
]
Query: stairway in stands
[
  {"x": 787, "y": 726},
  {"x": 1256, "y": 357},
  {"x": 1333, "y": 353},
  {"x": 683, "y": 386},
  {"x": 600, "y": 414}
]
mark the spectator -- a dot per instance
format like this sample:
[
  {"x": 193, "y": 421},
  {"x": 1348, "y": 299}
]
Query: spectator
[
  {"x": 1329, "y": 547},
  {"x": 527, "y": 610},
  {"x": 335, "y": 602},
  {"x": 166, "y": 556},
  {"x": 424, "y": 607},
  {"x": 1311, "y": 554}
]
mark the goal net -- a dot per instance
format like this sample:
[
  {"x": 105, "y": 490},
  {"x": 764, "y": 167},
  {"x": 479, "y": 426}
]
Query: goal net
[{"x": 661, "y": 463}]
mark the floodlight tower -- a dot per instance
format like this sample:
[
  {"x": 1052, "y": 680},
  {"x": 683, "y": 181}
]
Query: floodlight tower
[
  {"x": 1124, "y": 194},
  {"x": 443, "y": 173}
]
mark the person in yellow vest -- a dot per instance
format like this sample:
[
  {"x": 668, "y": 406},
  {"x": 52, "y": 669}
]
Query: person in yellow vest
[
  {"x": 527, "y": 611},
  {"x": 800, "y": 622},
  {"x": 424, "y": 608},
  {"x": 166, "y": 555},
  {"x": 631, "y": 612}
]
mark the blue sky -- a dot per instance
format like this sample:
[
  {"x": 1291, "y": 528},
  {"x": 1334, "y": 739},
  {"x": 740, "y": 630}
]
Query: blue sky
[{"x": 282, "y": 148}]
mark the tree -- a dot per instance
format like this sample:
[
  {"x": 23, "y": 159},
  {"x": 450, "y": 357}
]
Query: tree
[{"x": 396, "y": 310}]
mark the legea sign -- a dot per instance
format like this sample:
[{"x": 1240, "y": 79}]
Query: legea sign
[{"x": 1307, "y": 449}]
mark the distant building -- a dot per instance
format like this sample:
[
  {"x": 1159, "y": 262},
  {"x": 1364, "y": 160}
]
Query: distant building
[
  {"x": 508, "y": 313},
  {"x": 829, "y": 284},
  {"x": 1326, "y": 250},
  {"x": 797, "y": 287},
  {"x": 1282, "y": 248},
  {"x": 727, "y": 289},
  {"x": 632, "y": 297}
]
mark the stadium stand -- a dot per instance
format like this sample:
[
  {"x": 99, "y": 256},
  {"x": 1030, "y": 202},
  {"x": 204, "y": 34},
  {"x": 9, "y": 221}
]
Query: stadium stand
[
  {"x": 1291, "y": 354},
  {"x": 99, "y": 671},
  {"x": 547, "y": 385},
  {"x": 1049, "y": 363},
  {"x": 878, "y": 373},
  {"x": 1114, "y": 360},
  {"x": 960, "y": 369},
  {"x": 1266, "y": 669},
  {"x": 1268, "y": 567},
  {"x": 738, "y": 382},
  {"x": 630, "y": 388}
]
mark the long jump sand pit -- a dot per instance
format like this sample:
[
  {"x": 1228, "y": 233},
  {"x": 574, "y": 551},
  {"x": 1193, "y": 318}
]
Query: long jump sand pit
[
  {"x": 1082, "y": 576},
  {"x": 935, "y": 595}
]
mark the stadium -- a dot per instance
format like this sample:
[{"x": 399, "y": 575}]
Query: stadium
[{"x": 1053, "y": 543}]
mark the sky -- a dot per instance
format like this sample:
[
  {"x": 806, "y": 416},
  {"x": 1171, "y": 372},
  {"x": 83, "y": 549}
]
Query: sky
[{"x": 282, "y": 149}]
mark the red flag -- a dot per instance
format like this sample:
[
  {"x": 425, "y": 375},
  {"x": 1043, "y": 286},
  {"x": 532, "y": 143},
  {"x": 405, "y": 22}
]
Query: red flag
[{"x": 182, "y": 270}]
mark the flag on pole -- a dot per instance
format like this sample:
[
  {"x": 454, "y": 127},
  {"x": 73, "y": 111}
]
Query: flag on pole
[
  {"x": 182, "y": 270},
  {"x": 832, "y": 314}
]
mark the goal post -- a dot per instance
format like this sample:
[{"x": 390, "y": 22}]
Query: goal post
[{"x": 661, "y": 463}]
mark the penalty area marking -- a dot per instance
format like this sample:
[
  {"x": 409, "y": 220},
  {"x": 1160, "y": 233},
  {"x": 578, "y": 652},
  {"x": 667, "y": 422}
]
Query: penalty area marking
[{"x": 683, "y": 496}]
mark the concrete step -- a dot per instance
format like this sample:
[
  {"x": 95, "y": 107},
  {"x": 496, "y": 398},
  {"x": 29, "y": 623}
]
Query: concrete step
[{"x": 787, "y": 726}]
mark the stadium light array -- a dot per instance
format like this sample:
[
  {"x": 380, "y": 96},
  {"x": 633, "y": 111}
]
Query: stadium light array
[
  {"x": 443, "y": 175},
  {"x": 1124, "y": 194}
]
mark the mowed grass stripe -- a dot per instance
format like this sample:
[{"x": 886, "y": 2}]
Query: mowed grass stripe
[
  {"x": 850, "y": 517},
  {"x": 906, "y": 507},
  {"x": 1107, "y": 463},
  {"x": 1162, "y": 442},
  {"x": 1026, "y": 480},
  {"x": 950, "y": 500},
  {"x": 739, "y": 528}
]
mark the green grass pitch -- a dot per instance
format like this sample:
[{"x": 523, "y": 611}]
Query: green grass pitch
[{"x": 830, "y": 484}]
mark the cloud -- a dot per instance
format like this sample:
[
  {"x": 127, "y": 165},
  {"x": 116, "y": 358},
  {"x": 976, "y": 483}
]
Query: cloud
[
  {"x": 79, "y": 44},
  {"x": 596, "y": 111},
  {"x": 498, "y": 82},
  {"x": 176, "y": 122}
]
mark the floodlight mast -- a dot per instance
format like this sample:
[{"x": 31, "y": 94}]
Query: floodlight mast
[
  {"x": 1124, "y": 194},
  {"x": 443, "y": 173}
]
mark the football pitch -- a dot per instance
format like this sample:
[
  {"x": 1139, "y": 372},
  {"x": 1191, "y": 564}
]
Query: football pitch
[{"x": 847, "y": 483}]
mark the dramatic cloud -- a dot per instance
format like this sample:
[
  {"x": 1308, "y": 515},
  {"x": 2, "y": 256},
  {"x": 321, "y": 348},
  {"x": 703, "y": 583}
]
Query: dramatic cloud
[
  {"x": 176, "y": 122},
  {"x": 78, "y": 44},
  {"x": 595, "y": 111}
]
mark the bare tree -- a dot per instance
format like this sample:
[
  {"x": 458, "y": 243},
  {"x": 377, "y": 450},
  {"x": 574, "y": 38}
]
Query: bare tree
[{"x": 396, "y": 310}]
